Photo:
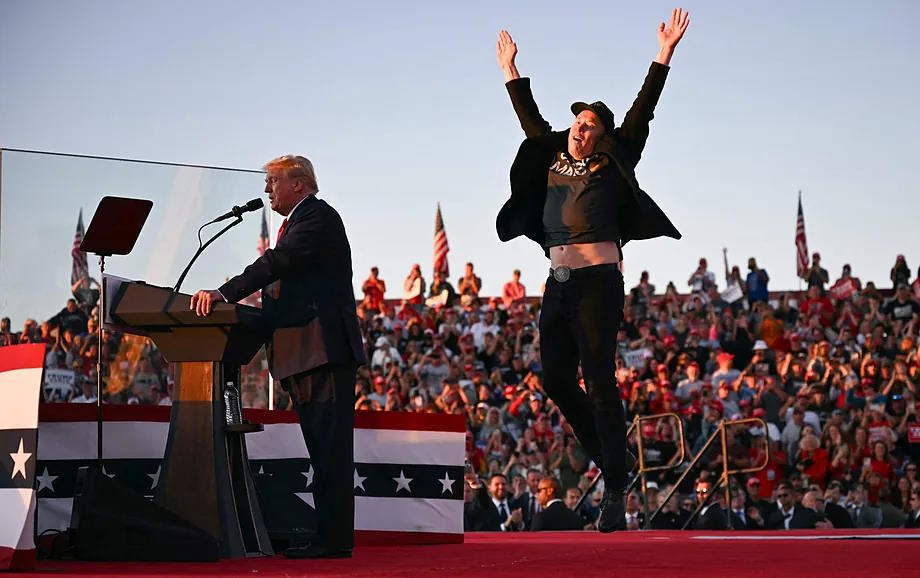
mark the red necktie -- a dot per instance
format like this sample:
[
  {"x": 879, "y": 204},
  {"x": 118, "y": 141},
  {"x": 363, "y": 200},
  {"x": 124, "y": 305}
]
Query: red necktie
[{"x": 281, "y": 230}]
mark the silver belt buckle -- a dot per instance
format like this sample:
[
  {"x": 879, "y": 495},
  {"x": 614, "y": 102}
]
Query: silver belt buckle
[{"x": 562, "y": 274}]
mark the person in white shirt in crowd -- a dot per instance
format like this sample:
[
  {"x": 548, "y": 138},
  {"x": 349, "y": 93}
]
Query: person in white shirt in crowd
[{"x": 385, "y": 352}]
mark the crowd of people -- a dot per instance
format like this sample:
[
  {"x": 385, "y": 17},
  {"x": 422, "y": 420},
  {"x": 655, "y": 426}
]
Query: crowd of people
[{"x": 832, "y": 372}]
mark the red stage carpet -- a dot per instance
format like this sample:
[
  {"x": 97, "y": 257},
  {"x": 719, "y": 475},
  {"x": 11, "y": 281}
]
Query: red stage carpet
[{"x": 580, "y": 554}]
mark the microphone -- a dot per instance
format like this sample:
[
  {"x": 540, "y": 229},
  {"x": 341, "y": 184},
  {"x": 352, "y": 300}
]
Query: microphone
[{"x": 237, "y": 211}]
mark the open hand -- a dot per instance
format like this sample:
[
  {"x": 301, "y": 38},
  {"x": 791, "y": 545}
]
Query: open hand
[
  {"x": 202, "y": 301},
  {"x": 505, "y": 51},
  {"x": 670, "y": 35}
]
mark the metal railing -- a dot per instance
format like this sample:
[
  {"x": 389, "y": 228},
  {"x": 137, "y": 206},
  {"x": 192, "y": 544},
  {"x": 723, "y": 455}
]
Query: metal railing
[
  {"x": 643, "y": 471},
  {"x": 640, "y": 460},
  {"x": 721, "y": 432}
]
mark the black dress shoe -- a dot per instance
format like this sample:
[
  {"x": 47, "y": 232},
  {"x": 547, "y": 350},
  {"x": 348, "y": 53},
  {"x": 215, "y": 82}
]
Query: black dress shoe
[
  {"x": 613, "y": 512},
  {"x": 317, "y": 551}
]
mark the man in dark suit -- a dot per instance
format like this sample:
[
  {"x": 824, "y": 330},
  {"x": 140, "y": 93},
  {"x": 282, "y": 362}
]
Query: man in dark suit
[
  {"x": 741, "y": 515},
  {"x": 713, "y": 515},
  {"x": 829, "y": 514},
  {"x": 315, "y": 345},
  {"x": 575, "y": 193},
  {"x": 836, "y": 514},
  {"x": 553, "y": 514},
  {"x": 530, "y": 500},
  {"x": 788, "y": 514},
  {"x": 864, "y": 514},
  {"x": 913, "y": 517},
  {"x": 492, "y": 508}
]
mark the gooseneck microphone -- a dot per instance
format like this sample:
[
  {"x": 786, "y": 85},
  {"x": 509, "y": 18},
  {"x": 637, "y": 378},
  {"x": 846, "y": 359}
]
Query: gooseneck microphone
[{"x": 237, "y": 211}]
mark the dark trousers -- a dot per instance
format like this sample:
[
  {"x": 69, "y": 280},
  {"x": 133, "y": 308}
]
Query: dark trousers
[
  {"x": 328, "y": 430},
  {"x": 579, "y": 322}
]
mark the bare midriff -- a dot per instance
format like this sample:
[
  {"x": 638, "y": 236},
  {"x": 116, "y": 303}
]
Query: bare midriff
[{"x": 578, "y": 255}]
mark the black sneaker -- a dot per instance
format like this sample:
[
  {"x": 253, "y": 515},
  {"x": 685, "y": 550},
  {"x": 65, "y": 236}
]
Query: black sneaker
[{"x": 613, "y": 512}]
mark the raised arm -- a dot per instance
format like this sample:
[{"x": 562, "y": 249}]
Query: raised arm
[
  {"x": 519, "y": 88},
  {"x": 634, "y": 131}
]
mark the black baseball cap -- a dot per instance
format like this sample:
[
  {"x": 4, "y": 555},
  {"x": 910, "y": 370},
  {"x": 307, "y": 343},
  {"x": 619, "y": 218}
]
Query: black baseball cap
[{"x": 598, "y": 108}]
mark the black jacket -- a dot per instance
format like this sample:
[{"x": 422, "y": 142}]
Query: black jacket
[
  {"x": 481, "y": 515},
  {"x": 307, "y": 295},
  {"x": 837, "y": 515},
  {"x": 524, "y": 501},
  {"x": 802, "y": 519},
  {"x": 522, "y": 214},
  {"x": 711, "y": 518},
  {"x": 556, "y": 517}
]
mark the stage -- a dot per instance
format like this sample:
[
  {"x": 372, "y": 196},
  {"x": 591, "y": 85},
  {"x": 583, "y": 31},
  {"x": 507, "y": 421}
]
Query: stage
[{"x": 655, "y": 553}]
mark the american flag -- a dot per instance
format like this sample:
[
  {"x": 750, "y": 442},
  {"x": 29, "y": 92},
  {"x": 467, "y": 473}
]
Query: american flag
[
  {"x": 801, "y": 245},
  {"x": 441, "y": 247},
  {"x": 264, "y": 239},
  {"x": 80, "y": 268}
]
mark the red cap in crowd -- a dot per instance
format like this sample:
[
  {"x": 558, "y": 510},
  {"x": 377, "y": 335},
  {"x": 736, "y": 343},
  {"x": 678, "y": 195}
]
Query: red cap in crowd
[
  {"x": 717, "y": 406},
  {"x": 725, "y": 356},
  {"x": 509, "y": 390},
  {"x": 759, "y": 412},
  {"x": 753, "y": 481},
  {"x": 379, "y": 380}
]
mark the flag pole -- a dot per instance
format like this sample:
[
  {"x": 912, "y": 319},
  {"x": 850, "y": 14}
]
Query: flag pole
[{"x": 806, "y": 256}]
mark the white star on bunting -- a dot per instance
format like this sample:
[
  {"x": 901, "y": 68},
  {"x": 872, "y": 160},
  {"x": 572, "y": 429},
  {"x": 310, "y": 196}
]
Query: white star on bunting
[
  {"x": 19, "y": 461},
  {"x": 155, "y": 477},
  {"x": 402, "y": 482},
  {"x": 309, "y": 475},
  {"x": 359, "y": 481},
  {"x": 46, "y": 480},
  {"x": 306, "y": 497},
  {"x": 447, "y": 484}
]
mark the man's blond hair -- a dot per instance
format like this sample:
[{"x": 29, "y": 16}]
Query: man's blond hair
[{"x": 295, "y": 167}]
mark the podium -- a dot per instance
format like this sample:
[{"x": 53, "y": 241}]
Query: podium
[{"x": 205, "y": 476}]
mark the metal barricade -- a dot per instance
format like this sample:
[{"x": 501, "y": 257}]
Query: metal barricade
[
  {"x": 643, "y": 471},
  {"x": 639, "y": 462},
  {"x": 721, "y": 432}
]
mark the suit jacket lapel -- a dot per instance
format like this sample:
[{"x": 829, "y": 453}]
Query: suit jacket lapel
[{"x": 298, "y": 210}]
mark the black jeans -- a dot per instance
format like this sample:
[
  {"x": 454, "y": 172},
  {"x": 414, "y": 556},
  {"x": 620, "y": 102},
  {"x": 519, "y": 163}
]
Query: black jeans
[
  {"x": 579, "y": 322},
  {"x": 328, "y": 430}
]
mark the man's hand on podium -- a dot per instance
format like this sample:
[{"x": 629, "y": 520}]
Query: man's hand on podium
[{"x": 202, "y": 300}]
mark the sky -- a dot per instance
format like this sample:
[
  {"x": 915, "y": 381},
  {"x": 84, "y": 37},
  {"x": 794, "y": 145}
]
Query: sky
[{"x": 401, "y": 106}]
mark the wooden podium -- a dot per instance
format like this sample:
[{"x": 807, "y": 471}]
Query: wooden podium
[{"x": 205, "y": 476}]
